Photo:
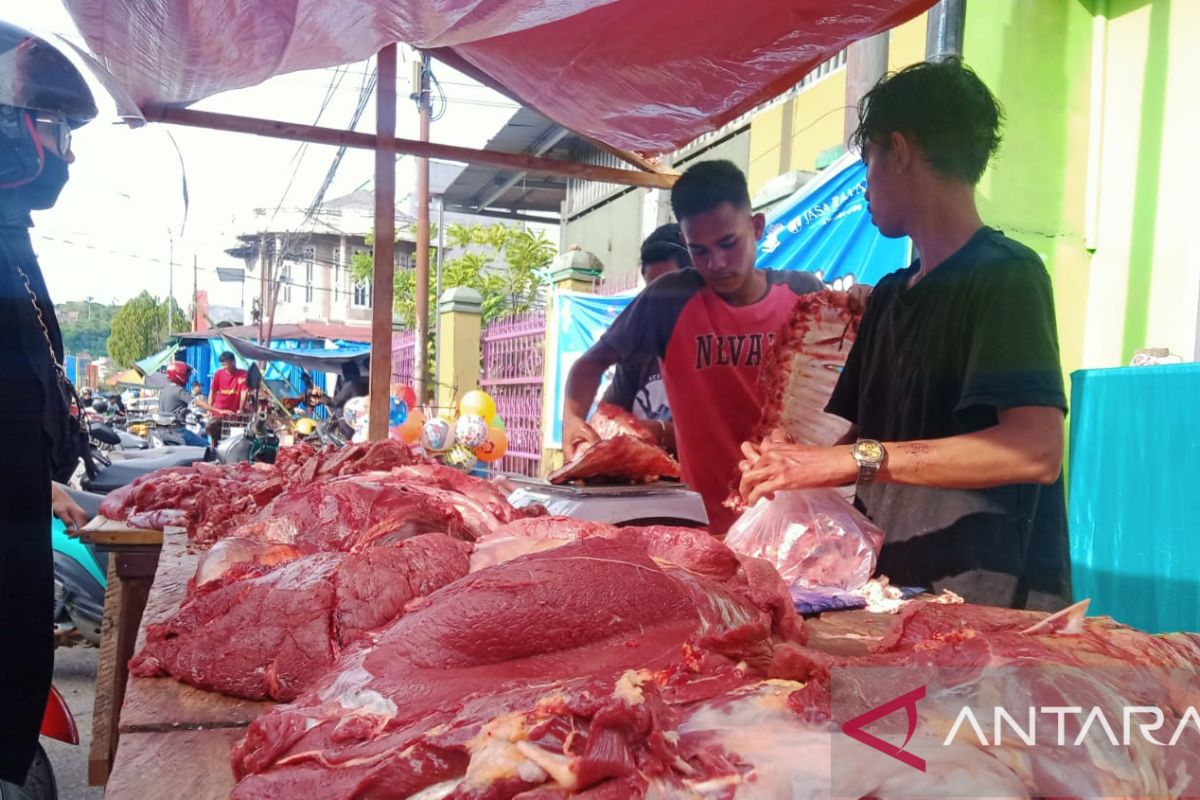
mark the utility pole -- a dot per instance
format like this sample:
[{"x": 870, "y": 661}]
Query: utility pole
[
  {"x": 195, "y": 293},
  {"x": 421, "y": 351},
  {"x": 170, "y": 282}
]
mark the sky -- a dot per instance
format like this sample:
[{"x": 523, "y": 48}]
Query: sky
[{"x": 121, "y": 218}]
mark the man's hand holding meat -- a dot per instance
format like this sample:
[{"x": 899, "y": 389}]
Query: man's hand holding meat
[{"x": 1025, "y": 446}]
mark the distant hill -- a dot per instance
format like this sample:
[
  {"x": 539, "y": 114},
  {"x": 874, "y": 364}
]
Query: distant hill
[{"x": 85, "y": 327}]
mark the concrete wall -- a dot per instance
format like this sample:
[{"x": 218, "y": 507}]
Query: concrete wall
[{"x": 613, "y": 230}]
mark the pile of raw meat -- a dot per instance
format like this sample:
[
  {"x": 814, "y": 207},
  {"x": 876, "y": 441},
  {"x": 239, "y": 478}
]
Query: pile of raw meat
[
  {"x": 208, "y": 498},
  {"x": 431, "y": 642},
  {"x": 626, "y": 453}
]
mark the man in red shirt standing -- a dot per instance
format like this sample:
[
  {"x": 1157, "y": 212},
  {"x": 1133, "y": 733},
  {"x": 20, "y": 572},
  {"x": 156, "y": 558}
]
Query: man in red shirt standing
[
  {"x": 227, "y": 396},
  {"x": 711, "y": 327}
]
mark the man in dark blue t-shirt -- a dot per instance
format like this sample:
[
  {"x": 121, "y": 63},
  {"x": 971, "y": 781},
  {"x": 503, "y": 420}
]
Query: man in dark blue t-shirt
[{"x": 954, "y": 385}]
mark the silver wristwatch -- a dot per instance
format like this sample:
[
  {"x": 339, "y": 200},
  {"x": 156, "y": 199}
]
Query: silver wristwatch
[{"x": 869, "y": 455}]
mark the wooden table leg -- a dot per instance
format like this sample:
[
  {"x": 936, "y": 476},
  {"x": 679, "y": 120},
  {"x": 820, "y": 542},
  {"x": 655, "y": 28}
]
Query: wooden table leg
[{"x": 128, "y": 585}]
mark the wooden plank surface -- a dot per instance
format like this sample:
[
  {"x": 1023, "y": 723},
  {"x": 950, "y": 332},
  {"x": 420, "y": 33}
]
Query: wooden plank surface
[
  {"x": 847, "y": 633},
  {"x": 173, "y": 766},
  {"x": 163, "y": 704},
  {"x": 104, "y": 726},
  {"x": 111, "y": 533}
]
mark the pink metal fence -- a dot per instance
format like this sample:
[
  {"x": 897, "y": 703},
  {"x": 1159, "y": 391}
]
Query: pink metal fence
[
  {"x": 616, "y": 284},
  {"x": 403, "y": 348},
  {"x": 514, "y": 359}
]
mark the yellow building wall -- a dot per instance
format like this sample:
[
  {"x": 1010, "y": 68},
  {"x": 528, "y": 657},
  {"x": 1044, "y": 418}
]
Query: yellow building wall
[
  {"x": 1145, "y": 275},
  {"x": 818, "y": 121},
  {"x": 906, "y": 45},
  {"x": 818, "y": 114}
]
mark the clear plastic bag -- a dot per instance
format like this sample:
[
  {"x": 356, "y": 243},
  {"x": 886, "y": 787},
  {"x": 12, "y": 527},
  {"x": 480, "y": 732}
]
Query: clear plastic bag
[{"x": 814, "y": 537}]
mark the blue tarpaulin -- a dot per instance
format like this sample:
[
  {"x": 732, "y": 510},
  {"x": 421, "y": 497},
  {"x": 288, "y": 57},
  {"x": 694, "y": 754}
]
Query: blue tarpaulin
[
  {"x": 579, "y": 320},
  {"x": 825, "y": 228},
  {"x": 1135, "y": 466}
]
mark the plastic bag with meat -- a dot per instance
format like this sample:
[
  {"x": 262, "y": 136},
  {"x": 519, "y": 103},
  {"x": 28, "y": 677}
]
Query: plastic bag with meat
[{"x": 816, "y": 539}]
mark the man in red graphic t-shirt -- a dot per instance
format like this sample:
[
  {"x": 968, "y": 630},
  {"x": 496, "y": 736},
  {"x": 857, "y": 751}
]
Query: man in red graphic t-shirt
[{"x": 710, "y": 325}]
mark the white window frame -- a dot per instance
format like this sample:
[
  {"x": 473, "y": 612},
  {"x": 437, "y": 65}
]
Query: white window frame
[{"x": 285, "y": 280}]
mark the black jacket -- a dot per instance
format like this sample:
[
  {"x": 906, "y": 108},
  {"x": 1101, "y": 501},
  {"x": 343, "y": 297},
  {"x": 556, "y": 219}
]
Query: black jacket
[{"x": 32, "y": 408}]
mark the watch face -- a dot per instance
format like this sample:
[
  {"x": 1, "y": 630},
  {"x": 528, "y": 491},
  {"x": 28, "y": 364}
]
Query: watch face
[{"x": 871, "y": 452}]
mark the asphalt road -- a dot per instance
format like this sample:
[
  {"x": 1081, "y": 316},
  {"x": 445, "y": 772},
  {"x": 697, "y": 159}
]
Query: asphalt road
[{"x": 75, "y": 677}]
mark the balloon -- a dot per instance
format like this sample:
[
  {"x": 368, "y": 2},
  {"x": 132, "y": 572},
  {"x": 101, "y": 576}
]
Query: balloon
[
  {"x": 437, "y": 435},
  {"x": 498, "y": 423},
  {"x": 470, "y": 430},
  {"x": 494, "y": 446},
  {"x": 461, "y": 457},
  {"x": 404, "y": 394},
  {"x": 478, "y": 403},
  {"x": 397, "y": 412},
  {"x": 410, "y": 430}
]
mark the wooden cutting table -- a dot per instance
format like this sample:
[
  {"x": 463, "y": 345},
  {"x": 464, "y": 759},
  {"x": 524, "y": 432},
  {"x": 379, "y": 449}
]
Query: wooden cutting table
[{"x": 132, "y": 558}]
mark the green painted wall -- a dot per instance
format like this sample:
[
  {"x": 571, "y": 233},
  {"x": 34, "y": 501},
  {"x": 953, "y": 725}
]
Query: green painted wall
[{"x": 1035, "y": 55}]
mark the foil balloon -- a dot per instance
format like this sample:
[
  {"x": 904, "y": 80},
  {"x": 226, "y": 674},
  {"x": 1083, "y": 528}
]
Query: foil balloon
[
  {"x": 461, "y": 457},
  {"x": 437, "y": 435},
  {"x": 494, "y": 446},
  {"x": 478, "y": 403},
  {"x": 397, "y": 412},
  {"x": 470, "y": 430},
  {"x": 404, "y": 394}
]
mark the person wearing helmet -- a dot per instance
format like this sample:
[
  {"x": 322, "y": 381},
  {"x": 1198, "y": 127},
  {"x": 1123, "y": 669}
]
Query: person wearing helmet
[
  {"x": 174, "y": 398},
  {"x": 43, "y": 98}
]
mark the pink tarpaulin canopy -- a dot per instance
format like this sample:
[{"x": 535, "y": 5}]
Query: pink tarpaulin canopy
[{"x": 643, "y": 75}]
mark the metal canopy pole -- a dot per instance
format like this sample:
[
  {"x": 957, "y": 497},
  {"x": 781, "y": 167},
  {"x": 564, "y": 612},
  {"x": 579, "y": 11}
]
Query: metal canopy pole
[
  {"x": 421, "y": 349},
  {"x": 385, "y": 244}
]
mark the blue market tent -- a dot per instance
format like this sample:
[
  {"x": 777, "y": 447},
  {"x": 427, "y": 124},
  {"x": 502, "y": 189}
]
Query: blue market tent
[{"x": 825, "y": 228}]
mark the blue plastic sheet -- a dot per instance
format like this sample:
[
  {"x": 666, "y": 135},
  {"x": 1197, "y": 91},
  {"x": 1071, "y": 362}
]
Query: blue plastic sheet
[
  {"x": 825, "y": 227},
  {"x": 1134, "y": 480},
  {"x": 579, "y": 320}
]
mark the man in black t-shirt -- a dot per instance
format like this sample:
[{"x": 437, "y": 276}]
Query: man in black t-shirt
[
  {"x": 637, "y": 385},
  {"x": 954, "y": 384}
]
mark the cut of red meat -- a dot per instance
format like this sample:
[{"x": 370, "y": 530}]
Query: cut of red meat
[
  {"x": 206, "y": 498},
  {"x": 302, "y": 463},
  {"x": 625, "y": 453},
  {"x": 611, "y": 421},
  {"x": 802, "y": 366},
  {"x": 539, "y": 670},
  {"x": 485, "y": 493},
  {"x": 267, "y": 632},
  {"x": 621, "y": 459},
  {"x": 212, "y": 499},
  {"x": 351, "y": 513}
]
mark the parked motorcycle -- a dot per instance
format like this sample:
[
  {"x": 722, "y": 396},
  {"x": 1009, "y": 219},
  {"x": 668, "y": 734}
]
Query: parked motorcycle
[
  {"x": 57, "y": 723},
  {"x": 80, "y": 578}
]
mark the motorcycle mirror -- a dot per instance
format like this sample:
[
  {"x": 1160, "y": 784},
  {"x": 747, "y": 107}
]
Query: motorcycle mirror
[
  {"x": 253, "y": 377},
  {"x": 105, "y": 434}
]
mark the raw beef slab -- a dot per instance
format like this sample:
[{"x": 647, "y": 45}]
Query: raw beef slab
[
  {"x": 802, "y": 367},
  {"x": 550, "y": 669},
  {"x": 351, "y": 513},
  {"x": 268, "y": 632},
  {"x": 626, "y": 453}
]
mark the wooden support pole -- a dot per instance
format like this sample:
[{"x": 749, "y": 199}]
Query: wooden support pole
[
  {"x": 385, "y": 244},
  {"x": 536, "y": 165},
  {"x": 421, "y": 350}
]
